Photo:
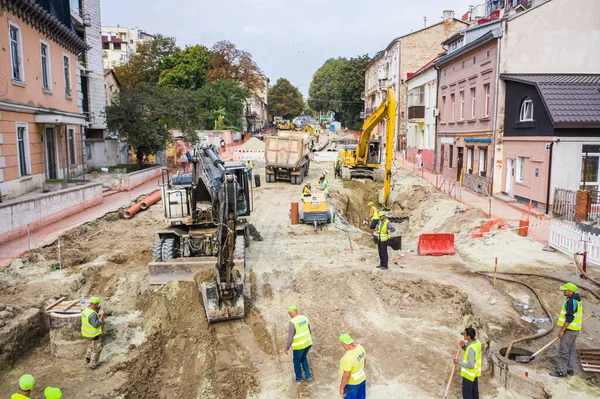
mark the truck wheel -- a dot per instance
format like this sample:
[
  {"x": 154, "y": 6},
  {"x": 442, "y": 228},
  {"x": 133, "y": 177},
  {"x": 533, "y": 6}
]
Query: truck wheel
[
  {"x": 306, "y": 170},
  {"x": 168, "y": 250},
  {"x": 157, "y": 248}
]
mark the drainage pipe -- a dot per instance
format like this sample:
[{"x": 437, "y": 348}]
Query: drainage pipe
[
  {"x": 150, "y": 200},
  {"x": 132, "y": 210}
]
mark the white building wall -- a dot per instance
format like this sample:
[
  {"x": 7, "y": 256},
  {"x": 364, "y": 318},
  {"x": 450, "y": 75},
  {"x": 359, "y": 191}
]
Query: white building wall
[
  {"x": 94, "y": 66},
  {"x": 429, "y": 81},
  {"x": 567, "y": 160}
]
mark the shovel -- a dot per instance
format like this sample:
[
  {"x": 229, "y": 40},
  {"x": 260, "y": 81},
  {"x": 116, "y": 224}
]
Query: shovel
[{"x": 527, "y": 359}]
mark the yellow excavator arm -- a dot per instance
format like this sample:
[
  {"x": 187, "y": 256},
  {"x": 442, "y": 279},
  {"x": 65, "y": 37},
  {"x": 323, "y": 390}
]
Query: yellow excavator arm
[
  {"x": 312, "y": 132},
  {"x": 387, "y": 108},
  {"x": 389, "y": 143}
]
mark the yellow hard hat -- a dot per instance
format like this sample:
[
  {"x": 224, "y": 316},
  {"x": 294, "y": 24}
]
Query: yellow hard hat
[
  {"x": 370, "y": 203},
  {"x": 95, "y": 300},
  {"x": 52, "y": 393},
  {"x": 346, "y": 339},
  {"x": 381, "y": 213},
  {"x": 292, "y": 308},
  {"x": 569, "y": 287},
  {"x": 26, "y": 382}
]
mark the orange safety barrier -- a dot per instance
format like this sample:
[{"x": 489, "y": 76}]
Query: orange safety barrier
[
  {"x": 478, "y": 232},
  {"x": 436, "y": 244}
]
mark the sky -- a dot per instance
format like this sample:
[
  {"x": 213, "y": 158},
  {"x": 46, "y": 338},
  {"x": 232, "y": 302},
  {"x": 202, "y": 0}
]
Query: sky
[{"x": 287, "y": 38}]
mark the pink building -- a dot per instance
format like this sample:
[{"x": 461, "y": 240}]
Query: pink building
[{"x": 467, "y": 86}]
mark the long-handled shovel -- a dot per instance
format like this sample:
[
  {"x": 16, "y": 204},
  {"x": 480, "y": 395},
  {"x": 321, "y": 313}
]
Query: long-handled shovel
[
  {"x": 451, "y": 374},
  {"x": 527, "y": 359}
]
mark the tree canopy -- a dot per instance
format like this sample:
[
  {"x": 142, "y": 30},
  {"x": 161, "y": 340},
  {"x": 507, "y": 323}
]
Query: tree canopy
[
  {"x": 229, "y": 62},
  {"x": 285, "y": 100},
  {"x": 337, "y": 86},
  {"x": 185, "y": 69}
]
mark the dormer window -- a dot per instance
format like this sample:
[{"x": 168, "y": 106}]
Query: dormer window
[{"x": 526, "y": 110}]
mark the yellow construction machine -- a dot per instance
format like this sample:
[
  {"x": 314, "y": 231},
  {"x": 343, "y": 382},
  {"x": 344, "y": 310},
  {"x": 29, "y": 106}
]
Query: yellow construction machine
[
  {"x": 313, "y": 133},
  {"x": 364, "y": 159},
  {"x": 283, "y": 124}
]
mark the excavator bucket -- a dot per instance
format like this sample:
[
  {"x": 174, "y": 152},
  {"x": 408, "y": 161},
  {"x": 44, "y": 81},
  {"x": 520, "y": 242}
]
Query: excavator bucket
[
  {"x": 217, "y": 310},
  {"x": 178, "y": 269}
]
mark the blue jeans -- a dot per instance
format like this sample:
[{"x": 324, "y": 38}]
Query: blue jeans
[
  {"x": 301, "y": 362},
  {"x": 356, "y": 391}
]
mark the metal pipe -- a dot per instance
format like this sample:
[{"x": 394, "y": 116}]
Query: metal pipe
[{"x": 549, "y": 178}]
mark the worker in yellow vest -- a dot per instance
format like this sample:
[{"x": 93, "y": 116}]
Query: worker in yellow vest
[
  {"x": 52, "y": 393},
  {"x": 352, "y": 369},
  {"x": 92, "y": 319},
  {"x": 470, "y": 365},
  {"x": 305, "y": 191},
  {"x": 570, "y": 319},
  {"x": 373, "y": 215},
  {"x": 300, "y": 340},
  {"x": 383, "y": 234},
  {"x": 26, "y": 385}
]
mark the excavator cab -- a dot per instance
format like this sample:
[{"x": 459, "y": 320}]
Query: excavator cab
[{"x": 374, "y": 154}]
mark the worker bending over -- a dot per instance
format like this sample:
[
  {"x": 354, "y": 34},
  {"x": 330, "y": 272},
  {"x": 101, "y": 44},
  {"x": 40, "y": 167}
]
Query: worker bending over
[
  {"x": 26, "y": 385},
  {"x": 91, "y": 329},
  {"x": 382, "y": 233},
  {"x": 352, "y": 369},
  {"x": 470, "y": 365},
  {"x": 305, "y": 191},
  {"x": 570, "y": 319},
  {"x": 324, "y": 186},
  {"x": 300, "y": 340},
  {"x": 373, "y": 215}
]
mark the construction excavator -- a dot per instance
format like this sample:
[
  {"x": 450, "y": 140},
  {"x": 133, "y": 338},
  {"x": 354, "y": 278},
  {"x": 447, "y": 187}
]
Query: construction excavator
[
  {"x": 207, "y": 228},
  {"x": 363, "y": 160}
]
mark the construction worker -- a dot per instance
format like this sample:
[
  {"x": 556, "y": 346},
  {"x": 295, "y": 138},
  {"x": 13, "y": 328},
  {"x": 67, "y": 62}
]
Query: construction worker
[
  {"x": 300, "y": 340},
  {"x": 305, "y": 190},
  {"x": 91, "y": 329},
  {"x": 249, "y": 166},
  {"x": 352, "y": 369},
  {"x": 52, "y": 393},
  {"x": 373, "y": 215},
  {"x": 324, "y": 186},
  {"x": 337, "y": 167},
  {"x": 470, "y": 365},
  {"x": 570, "y": 319},
  {"x": 26, "y": 385},
  {"x": 382, "y": 233},
  {"x": 324, "y": 176}
]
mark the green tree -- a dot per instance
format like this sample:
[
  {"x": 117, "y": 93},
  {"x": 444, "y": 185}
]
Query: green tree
[
  {"x": 185, "y": 69},
  {"x": 337, "y": 86},
  {"x": 222, "y": 98},
  {"x": 230, "y": 63},
  {"x": 145, "y": 65},
  {"x": 285, "y": 100}
]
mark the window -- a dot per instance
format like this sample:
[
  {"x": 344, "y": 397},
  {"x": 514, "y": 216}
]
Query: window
[
  {"x": 526, "y": 110},
  {"x": 116, "y": 46},
  {"x": 45, "y": 61},
  {"x": 473, "y": 103},
  {"x": 450, "y": 156},
  {"x": 482, "y": 161},
  {"x": 72, "y": 154},
  {"x": 487, "y": 53},
  {"x": 443, "y": 118},
  {"x": 474, "y": 60},
  {"x": 16, "y": 49},
  {"x": 106, "y": 46},
  {"x": 23, "y": 149},
  {"x": 445, "y": 71},
  {"x": 520, "y": 169},
  {"x": 67, "y": 75},
  {"x": 463, "y": 64},
  {"x": 486, "y": 105},
  {"x": 462, "y": 105},
  {"x": 453, "y": 102},
  {"x": 470, "y": 159}
]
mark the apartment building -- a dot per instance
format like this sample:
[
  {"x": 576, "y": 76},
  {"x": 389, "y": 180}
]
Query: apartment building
[
  {"x": 256, "y": 110},
  {"x": 119, "y": 43},
  {"x": 40, "y": 118},
  {"x": 407, "y": 53}
]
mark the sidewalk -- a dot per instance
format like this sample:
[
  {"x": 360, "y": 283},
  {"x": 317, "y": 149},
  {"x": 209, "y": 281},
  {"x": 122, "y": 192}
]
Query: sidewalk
[
  {"x": 511, "y": 212},
  {"x": 13, "y": 249}
]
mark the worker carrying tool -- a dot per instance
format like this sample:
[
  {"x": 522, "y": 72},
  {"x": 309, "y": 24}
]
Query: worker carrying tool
[
  {"x": 52, "y": 393},
  {"x": 92, "y": 319},
  {"x": 373, "y": 215},
  {"x": 300, "y": 340},
  {"x": 352, "y": 369},
  {"x": 26, "y": 385},
  {"x": 571, "y": 320},
  {"x": 382, "y": 233},
  {"x": 470, "y": 365}
]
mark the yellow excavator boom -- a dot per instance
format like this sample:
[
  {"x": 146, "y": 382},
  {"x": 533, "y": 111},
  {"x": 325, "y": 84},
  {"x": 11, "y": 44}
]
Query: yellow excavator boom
[
  {"x": 312, "y": 132},
  {"x": 389, "y": 143}
]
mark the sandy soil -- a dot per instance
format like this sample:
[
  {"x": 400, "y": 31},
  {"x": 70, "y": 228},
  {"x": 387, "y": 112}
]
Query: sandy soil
[{"x": 159, "y": 344}]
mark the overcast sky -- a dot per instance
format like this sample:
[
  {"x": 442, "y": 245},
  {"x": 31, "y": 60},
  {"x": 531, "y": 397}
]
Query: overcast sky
[{"x": 287, "y": 38}]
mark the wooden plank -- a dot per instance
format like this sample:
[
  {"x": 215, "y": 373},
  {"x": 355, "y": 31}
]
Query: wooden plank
[
  {"x": 70, "y": 305},
  {"x": 53, "y": 304}
]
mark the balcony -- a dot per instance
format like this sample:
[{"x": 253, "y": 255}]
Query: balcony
[{"x": 416, "y": 112}]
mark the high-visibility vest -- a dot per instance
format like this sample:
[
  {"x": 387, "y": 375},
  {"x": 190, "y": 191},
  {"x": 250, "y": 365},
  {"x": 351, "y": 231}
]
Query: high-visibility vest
[
  {"x": 87, "y": 330},
  {"x": 302, "y": 338},
  {"x": 306, "y": 190},
  {"x": 471, "y": 374},
  {"x": 249, "y": 164},
  {"x": 375, "y": 213},
  {"x": 357, "y": 374},
  {"x": 383, "y": 230},
  {"x": 577, "y": 321},
  {"x": 18, "y": 396}
]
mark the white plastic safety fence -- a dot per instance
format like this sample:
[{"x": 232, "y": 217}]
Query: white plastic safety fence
[
  {"x": 570, "y": 240},
  {"x": 248, "y": 155},
  {"x": 325, "y": 156}
]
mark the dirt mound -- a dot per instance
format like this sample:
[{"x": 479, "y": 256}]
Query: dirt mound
[
  {"x": 259, "y": 327},
  {"x": 464, "y": 220}
]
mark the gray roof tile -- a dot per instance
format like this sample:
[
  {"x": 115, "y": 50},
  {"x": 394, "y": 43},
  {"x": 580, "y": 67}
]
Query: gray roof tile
[{"x": 570, "y": 99}]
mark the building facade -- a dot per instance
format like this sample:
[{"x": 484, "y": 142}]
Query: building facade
[
  {"x": 467, "y": 83},
  {"x": 40, "y": 117},
  {"x": 119, "y": 43},
  {"x": 421, "y": 108},
  {"x": 256, "y": 110},
  {"x": 407, "y": 53}
]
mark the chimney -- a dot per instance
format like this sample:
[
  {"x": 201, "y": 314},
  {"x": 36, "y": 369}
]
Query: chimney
[{"x": 448, "y": 15}]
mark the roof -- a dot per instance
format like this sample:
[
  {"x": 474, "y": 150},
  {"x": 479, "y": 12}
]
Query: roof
[
  {"x": 424, "y": 68},
  {"x": 572, "y": 100},
  {"x": 112, "y": 72},
  {"x": 491, "y": 35}
]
